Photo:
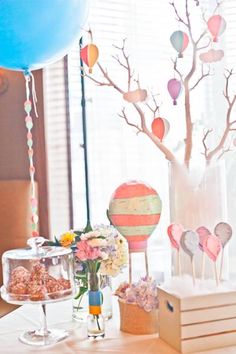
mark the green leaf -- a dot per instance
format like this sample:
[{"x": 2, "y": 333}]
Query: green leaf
[
  {"x": 51, "y": 243},
  {"x": 82, "y": 291},
  {"x": 57, "y": 243},
  {"x": 78, "y": 233},
  {"x": 98, "y": 265}
]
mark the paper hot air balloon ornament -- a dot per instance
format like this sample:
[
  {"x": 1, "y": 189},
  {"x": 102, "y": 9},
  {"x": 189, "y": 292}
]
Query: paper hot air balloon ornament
[
  {"x": 89, "y": 55},
  {"x": 135, "y": 210},
  {"x": 160, "y": 127},
  {"x": 174, "y": 87},
  {"x": 179, "y": 41},
  {"x": 216, "y": 25}
]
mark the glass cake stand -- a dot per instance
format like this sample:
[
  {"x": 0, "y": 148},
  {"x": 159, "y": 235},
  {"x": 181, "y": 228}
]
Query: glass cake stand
[{"x": 38, "y": 275}]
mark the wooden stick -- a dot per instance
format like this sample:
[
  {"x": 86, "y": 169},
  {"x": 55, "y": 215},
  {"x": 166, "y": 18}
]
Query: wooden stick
[
  {"x": 146, "y": 263},
  {"x": 221, "y": 263},
  {"x": 130, "y": 268},
  {"x": 179, "y": 263},
  {"x": 193, "y": 270},
  {"x": 216, "y": 274},
  {"x": 203, "y": 265}
]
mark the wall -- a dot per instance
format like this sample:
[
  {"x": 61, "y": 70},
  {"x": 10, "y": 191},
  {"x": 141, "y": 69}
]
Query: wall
[{"x": 13, "y": 149}]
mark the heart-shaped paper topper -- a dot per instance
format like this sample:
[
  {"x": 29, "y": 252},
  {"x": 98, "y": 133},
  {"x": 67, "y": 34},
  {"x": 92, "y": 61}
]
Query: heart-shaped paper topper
[
  {"x": 202, "y": 232},
  {"x": 224, "y": 232},
  {"x": 212, "y": 247},
  {"x": 174, "y": 232},
  {"x": 190, "y": 242}
]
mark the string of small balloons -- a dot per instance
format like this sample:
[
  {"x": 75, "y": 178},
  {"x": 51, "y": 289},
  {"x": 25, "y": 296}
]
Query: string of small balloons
[{"x": 29, "y": 125}]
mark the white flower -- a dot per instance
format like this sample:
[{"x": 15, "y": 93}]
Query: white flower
[
  {"x": 97, "y": 242},
  {"x": 90, "y": 234},
  {"x": 104, "y": 256}
]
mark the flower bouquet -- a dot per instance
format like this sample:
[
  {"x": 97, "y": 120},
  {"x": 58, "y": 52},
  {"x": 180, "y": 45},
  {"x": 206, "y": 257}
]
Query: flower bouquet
[
  {"x": 100, "y": 253},
  {"x": 138, "y": 305}
]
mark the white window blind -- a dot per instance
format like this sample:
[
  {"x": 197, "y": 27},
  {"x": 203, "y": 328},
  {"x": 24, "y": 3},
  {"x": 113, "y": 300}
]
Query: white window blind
[{"x": 56, "y": 142}]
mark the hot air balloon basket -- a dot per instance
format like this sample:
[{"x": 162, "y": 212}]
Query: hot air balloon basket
[
  {"x": 197, "y": 323},
  {"x": 135, "y": 320}
]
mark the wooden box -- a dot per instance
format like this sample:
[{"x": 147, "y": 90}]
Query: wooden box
[{"x": 197, "y": 323}]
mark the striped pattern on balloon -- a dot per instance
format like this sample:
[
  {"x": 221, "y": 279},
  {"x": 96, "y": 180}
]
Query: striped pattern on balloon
[{"x": 135, "y": 210}]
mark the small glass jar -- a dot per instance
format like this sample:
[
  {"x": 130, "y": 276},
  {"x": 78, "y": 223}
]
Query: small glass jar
[{"x": 95, "y": 319}]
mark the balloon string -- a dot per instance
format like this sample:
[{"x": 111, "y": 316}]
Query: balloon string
[
  {"x": 34, "y": 96},
  {"x": 29, "y": 126}
]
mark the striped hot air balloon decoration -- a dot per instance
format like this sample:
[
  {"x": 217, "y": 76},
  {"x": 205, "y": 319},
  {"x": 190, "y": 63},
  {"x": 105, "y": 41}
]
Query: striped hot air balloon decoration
[{"x": 135, "y": 210}]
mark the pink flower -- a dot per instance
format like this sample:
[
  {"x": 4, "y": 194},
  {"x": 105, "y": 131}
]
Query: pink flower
[{"x": 86, "y": 252}]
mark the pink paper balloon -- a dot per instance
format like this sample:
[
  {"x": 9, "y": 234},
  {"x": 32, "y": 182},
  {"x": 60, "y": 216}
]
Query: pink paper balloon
[
  {"x": 175, "y": 232},
  {"x": 179, "y": 41},
  {"x": 203, "y": 233},
  {"x": 212, "y": 247},
  {"x": 174, "y": 87},
  {"x": 216, "y": 25}
]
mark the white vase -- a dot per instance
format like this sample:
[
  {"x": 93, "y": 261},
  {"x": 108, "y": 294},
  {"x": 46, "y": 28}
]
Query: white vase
[{"x": 198, "y": 198}]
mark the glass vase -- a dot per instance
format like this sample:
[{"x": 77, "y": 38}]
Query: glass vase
[
  {"x": 80, "y": 303},
  {"x": 198, "y": 198},
  {"x": 95, "y": 319}
]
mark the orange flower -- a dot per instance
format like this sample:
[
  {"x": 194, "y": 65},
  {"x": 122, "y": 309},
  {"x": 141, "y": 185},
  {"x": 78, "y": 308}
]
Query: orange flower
[{"x": 67, "y": 238}]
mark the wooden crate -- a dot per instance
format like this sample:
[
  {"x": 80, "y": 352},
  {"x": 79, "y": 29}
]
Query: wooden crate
[{"x": 197, "y": 323}]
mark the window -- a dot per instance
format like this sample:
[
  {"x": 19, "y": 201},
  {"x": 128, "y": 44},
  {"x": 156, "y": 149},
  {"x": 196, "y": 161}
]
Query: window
[{"x": 115, "y": 152}]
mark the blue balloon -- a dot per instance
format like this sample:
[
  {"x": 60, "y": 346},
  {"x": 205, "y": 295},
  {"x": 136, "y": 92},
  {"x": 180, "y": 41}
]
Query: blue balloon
[{"x": 35, "y": 33}]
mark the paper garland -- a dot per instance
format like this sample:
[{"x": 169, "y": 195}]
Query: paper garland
[{"x": 29, "y": 126}]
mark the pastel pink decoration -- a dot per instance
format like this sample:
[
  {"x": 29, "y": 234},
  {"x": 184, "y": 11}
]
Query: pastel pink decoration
[
  {"x": 160, "y": 127},
  {"x": 27, "y": 106},
  {"x": 86, "y": 252},
  {"x": 212, "y": 247},
  {"x": 179, "y": 41},
  {"x": 174, "y": 87},
  {"x": 28, "y": 119},
  {"x": 216, "y": 25},
  {"x": 189, "y": 242},
  {"x": 135, "y": 96},
  {"x": 175, "y": 232},
  {"x": 34, "y": 202},
  {"x": 30, "y": 152},
  {"x": 211, "y": 56},
  {"x": 203, "y": 233},
  {"x": 224, "y": 232},
  {"x": 135, "y": 210},
  {"x": 32, "y": 169}
]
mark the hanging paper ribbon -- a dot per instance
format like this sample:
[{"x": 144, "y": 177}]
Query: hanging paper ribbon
[
  {"x": 179, "y": 41},
  {"x": 29, "y": 126},
  {"x": 216, "y": 25}
]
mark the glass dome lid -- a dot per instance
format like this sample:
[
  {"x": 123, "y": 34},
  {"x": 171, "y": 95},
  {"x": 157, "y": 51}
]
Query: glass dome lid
[{"x": 36, "y": 250}]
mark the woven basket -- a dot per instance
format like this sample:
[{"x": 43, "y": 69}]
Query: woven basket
[{"x": 135, "y": 320}]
